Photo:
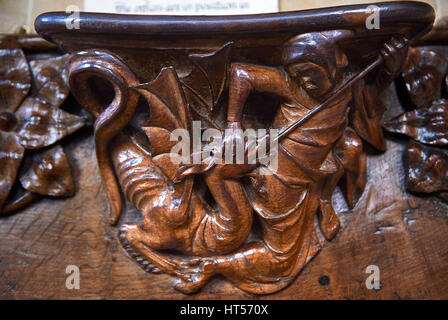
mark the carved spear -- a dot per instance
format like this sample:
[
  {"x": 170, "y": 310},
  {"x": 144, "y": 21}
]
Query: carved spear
[
  {"x": 192, "y": 169},
  {"x": 346, "y": 85}
]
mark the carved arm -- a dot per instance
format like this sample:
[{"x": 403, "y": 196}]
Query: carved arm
[{"x": 246, "y": 78}]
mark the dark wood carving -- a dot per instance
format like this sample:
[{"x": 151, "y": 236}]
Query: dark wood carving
[
  {"x": 423, "y": 75},
  {"x": 427, "y": 124},
  {"x": 428, "y": 169},
  {"x": 321, "y": 78},
  {"x": 31, "y": 118},
  {"x": 313, "y": 81}
]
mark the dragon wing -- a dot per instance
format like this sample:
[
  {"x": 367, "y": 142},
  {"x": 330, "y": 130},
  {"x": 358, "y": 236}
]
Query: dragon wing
[
  {"x": 168, "y": 110},
  {"x": 205, "y": 84}
]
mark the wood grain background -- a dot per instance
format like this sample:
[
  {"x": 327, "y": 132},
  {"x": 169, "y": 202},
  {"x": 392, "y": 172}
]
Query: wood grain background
[{"x": 404, "y": 235}]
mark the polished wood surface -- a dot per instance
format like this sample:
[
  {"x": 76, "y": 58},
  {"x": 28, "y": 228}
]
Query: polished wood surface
[
  {"x": 343, "y": 198},
  {"x": 405, "y": 235}
]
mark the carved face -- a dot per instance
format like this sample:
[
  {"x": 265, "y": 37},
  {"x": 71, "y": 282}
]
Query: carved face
[{"x": 313, "y": 78}]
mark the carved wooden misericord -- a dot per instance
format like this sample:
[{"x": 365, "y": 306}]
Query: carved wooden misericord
[{"x": 328, "y": 85}]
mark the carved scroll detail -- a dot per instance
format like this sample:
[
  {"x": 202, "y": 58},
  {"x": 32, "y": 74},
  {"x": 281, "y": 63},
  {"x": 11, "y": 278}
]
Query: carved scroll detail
[{"x": 115, "y": 116}]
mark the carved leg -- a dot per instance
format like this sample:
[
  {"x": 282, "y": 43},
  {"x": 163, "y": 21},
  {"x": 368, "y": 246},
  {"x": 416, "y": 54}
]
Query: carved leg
[
  {"x": 130, "y": 239},
  {"x": 192, "y": 275},
  {"x": 328, "y": 220},
  {"x": 226, "y": 229},
  {"x": 349, "y": 152},
  {"x": 193, "y": 230},
  {"x": 265, "y": 266},
  {"x": 134, "y": 242},
  {"x": 199, "y": 272}
]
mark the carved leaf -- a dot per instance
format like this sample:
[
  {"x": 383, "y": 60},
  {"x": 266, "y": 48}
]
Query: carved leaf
[
  {"x": 11, "y": 155},
  {"x": 428, "y": 169},
  {"x": 426, "y": 125},
  {"x": 423, "y": 74},
  {"x": 15, "y": 79},
  {"x": 50, "y": 174},
  {"x": 41, "y": 124},
  {"x": 50, "y": 79}
]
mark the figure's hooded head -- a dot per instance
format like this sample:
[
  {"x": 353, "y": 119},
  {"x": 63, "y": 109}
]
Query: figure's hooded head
[{"x": 315, "y": 60}]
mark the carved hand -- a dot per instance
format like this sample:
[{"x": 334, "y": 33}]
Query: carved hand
[{"x": 394, "y": 54}]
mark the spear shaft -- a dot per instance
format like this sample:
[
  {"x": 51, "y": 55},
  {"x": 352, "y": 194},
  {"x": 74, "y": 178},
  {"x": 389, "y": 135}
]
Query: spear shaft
[
  {"x": 324, "y": 104},
  {"x": 346, "y": 85}
]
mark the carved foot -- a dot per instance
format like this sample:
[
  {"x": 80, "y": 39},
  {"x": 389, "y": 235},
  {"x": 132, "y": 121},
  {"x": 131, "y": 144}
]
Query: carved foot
[
  {"x": 192, "y": 274},
  {"x": 329, "y": 222},
  {"x": 196, "y": 273},
  {"x": 128, "y": 236}
]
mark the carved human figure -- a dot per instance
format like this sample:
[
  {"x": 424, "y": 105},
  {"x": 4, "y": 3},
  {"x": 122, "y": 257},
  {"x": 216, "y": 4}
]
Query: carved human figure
[
  {"x": 311, "y": 160},
  {"x": 174, "y": 217}
]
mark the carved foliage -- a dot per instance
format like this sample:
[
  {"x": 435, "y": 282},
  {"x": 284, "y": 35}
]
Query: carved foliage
[
  {"x": 11, "y": 155},
  {"x": 427, "y": 124},
  {"x": 428, "y": 169},
  {"x": 15, "y": 79},
  {"x": 41, "y": 124},
  {"x": 34, "y": 123},
  {"x": 50, "y": 79},
  {"x": 50, "y": 174},
  {"x": 423, "y": 75}
]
